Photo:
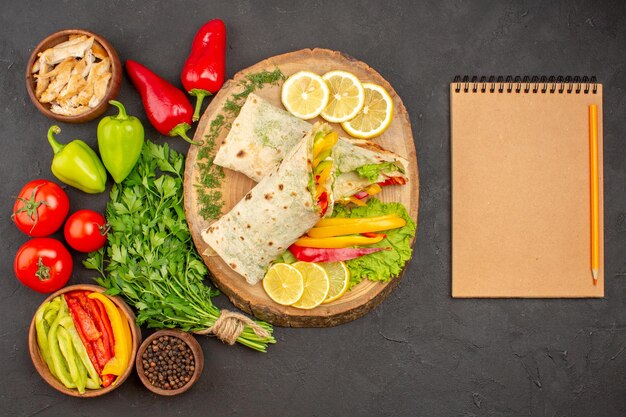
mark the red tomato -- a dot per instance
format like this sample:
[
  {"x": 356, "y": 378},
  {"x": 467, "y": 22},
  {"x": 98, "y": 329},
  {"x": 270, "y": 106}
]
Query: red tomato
[
  {"x": 40, "y": 208},
  {"x": 86, "y": 231},
  {"x": 43, "y": 264}
]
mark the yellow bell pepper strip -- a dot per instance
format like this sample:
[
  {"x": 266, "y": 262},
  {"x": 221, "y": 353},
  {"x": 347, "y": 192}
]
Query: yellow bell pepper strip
[
  {"x": 129, "y": 336},
  {"x": 321, "y": 157},
  {"x": 357, "y": 201},
  {"x": 117, "y": 365},
  {"x": 325, "y": 144},
  {"x": 322, "y": 171},
  {"x": 336, "y": 221},
  {"x": 336, "y": 242},
  {"x": 373, "y": 189},
  {"x": 349, "y": 229}
]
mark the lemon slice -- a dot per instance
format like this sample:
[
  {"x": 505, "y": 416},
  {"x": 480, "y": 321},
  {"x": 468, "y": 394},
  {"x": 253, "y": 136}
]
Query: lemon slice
[
  {"x": 305, "y": 95},
  {"x": 284, "y": 284},
  {"x": 375, "y": 116},
  {"x": 346, "y": 96},
  {"x": 316, "y": 285},
  {"x": 339, "y": 278}
]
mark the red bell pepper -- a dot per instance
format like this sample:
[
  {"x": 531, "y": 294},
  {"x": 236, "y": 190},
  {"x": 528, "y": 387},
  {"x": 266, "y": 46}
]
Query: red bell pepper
[
  {"x": 393, "y": 181},
  {"x": 322, "y": 202},
  {"x": 107, "y": 379},
  {"x": 81, "y": 319},
  {"x": 106, "y": 322},
  {"x": 167, "y": 107},
  {"x": 86, "y": 343},
  {"x": 203, "y": 72},
  {"x": 372, "y": 234},
  {"x": 105, "y": 351},
  {"x": 98, "y": 320},
  {"x": 99, "y": 351},
  {"x": 81, "y": 297},
  {"x": 330, "y": 255}
]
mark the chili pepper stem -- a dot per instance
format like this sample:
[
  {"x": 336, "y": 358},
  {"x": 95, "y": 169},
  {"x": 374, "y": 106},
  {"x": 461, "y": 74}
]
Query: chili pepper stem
[
  {"x": 200, "y": 95},
  {"x": 56, "y": 146},
  {"x": 181, "y": 130},
  {"x": 122, "y": 114}
]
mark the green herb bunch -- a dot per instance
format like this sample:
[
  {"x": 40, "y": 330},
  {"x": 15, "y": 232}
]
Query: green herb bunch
[{"x": 150, "y": 257}]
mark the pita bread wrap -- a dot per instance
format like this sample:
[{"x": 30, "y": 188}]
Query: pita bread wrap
[
  {"x": 273, "y": 215},
  {"x": 262, "y": 134}
]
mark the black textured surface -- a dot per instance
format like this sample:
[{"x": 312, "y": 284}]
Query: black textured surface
[{"x": 421, "y": 353}]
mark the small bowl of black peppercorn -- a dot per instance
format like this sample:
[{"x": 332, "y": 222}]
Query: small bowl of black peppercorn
[{"x": 169, "y": 362}]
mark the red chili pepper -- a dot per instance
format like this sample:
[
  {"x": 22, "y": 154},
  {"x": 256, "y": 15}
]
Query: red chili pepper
[
  {"x": 98, "y": 320},
  {"x": 393, "y": 181},
  {"x": 167, "y": 107},
  {"x": 81, "y": 319},
  {"x": 203, "y": 73},
  {"x": 86, "y": 343},
  {"x": 330, "y": 255}
]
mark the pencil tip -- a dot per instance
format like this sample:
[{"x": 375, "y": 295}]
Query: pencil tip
[{"x": 594, "y": 273}]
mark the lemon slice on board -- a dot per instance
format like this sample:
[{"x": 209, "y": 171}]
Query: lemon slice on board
[
  {"x": 347, "y": 96},
  {"x": 316, "y": 285},
  {"x": 339, "y": 278},
  {"x": 305, "y": 95},
  {"x": 375, "y": 116},
  {"x": 284, "y": 284}
]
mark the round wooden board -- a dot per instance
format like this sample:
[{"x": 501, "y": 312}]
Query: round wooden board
[{"x": 398, "y": 138}]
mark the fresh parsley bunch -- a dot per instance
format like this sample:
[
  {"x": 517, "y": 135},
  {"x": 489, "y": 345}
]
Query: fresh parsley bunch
[{"x": 150, "y": 257}]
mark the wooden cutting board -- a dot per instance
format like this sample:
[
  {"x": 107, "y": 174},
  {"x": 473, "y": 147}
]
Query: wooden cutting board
[{"x": 398, "y": 138}]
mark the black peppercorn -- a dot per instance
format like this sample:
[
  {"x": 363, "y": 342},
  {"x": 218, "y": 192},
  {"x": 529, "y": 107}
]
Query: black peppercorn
[{"x": 168, "y": 363}]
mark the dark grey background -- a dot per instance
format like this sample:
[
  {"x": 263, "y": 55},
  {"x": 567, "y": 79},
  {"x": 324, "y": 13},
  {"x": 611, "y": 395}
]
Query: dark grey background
[{"x": 420, "y": 353}]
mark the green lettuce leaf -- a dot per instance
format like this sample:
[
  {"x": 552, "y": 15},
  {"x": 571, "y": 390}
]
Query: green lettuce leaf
[
  {"x": 371, "y": 172},
  {"x": 385, "y": 265}
]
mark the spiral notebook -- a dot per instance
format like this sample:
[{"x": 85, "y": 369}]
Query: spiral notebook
[{"x": 521, "y": 187}]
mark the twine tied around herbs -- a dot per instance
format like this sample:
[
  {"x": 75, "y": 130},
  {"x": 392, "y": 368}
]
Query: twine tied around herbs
[{"x": 229, "y": 326}]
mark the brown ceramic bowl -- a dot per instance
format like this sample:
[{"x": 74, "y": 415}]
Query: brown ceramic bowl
[
  {"x": 42, "y": 367},
  {"x": 198, "y": 357},
  {"x": 112, "y": 90}
]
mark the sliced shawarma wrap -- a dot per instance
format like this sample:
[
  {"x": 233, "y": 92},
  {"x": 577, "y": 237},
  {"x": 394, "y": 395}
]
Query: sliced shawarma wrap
[
  {"x": 283, "y": 206},
  {"x": 263, "y": 134}
]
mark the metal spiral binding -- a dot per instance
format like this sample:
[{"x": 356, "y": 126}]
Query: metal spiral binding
[{"x": 537, "y": 83}]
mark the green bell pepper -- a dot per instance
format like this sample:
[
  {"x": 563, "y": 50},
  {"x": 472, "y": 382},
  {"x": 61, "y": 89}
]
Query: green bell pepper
[
  {"x": 81, "y": 352},
  {"x": 76, "y": 164},
  {"x": 41, "y": 327},
  {"x": 59, "y": 366},
  {"x": 120, "y": 140},
  {"x": 67, "y": 350}
]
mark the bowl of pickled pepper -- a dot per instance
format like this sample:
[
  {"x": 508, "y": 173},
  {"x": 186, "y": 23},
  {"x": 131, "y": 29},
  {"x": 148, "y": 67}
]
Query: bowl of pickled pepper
[{"x": 82, "y": 342}]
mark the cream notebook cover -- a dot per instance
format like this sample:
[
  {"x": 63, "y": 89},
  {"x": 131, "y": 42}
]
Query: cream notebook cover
[{"x": 521, "y": 222}]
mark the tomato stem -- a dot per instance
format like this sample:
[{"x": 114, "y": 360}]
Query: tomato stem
[
  {"x": 31, "y": 207},
  {"x": 43, "y": 271}
]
